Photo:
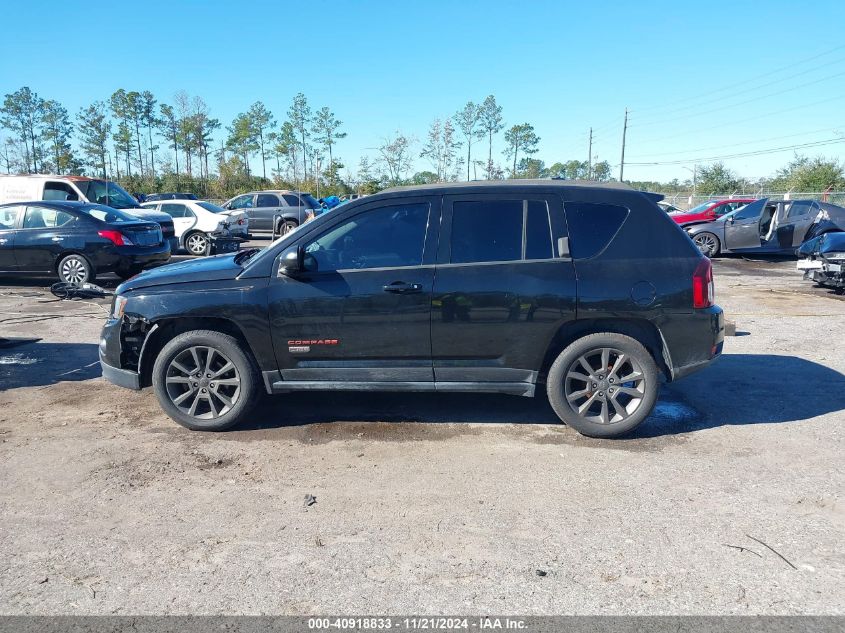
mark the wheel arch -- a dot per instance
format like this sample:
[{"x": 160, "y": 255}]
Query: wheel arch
[
  {"x": 641, "y": 330},
  {"x": 164, "y": 330}
]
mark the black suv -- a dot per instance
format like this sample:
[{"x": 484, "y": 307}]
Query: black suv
[{"x": 589, "y": 290}]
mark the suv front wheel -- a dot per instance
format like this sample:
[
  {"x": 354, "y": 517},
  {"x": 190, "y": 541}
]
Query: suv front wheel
[
  {"x": 205, "y": 381},
  {"x": 603, "y": 385}
]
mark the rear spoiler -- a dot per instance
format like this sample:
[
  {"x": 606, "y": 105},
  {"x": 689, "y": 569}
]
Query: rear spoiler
[{"x": 654, "y": 197}]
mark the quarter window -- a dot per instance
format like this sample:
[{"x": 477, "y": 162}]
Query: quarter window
[
  {"x": 500, "y": 231},
  {"x": 387, "y": 237},
  {"x": 292, "y": 200},
  {"x": 266, "y": 200}
]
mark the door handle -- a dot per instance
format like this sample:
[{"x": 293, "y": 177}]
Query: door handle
[
  {"x": 402, "y": 288},
  {"x": 56, "y": 239},
  {"x": 3, "y": 240}
]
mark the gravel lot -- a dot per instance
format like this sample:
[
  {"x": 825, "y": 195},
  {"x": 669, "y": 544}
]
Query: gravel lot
[{"x": 431, "y": 504}]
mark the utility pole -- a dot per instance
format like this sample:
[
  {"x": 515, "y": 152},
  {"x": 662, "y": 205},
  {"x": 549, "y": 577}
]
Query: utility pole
[
  {"x": 590, "y": 157},
  {"x": 624, "y": 134}
]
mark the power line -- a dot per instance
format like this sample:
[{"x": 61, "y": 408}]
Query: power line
[
  {"x": 703, "y": 159},
  {"x": 741, "y": 83}
]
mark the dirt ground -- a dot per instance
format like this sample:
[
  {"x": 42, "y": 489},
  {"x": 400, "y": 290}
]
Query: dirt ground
[{"x": 728, "y": 500}]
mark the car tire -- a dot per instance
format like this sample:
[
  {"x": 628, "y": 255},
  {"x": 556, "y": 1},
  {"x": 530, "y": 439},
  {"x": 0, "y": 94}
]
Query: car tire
[
  {"x": 597, "y": 403},
  {"x": 197, "y": 243},
  {"x": 75, "y": 269},
  {"x": 285, "y": 226},
  {"x": 707, "y": 243},
  {"x": 194, "y": 387}
]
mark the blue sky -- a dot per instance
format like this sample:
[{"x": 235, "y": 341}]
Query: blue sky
[{"x": 701, "y": 79}]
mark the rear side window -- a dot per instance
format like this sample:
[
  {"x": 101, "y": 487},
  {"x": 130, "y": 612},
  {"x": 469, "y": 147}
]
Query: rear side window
[
  {"x": 500, "y": 231},
  {"x": 175, "y": 210},
  {"x": 592, "y": 226},
  {"x": 292, "y": 200},
  {"x": 266, "y": 200},
  {"x": 45, "y": 218}
]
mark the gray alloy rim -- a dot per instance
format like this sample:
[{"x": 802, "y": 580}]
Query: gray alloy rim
[
  {"x": 706, "y": 244},
  {"x": 287, "y": 227},
  {"x": 74, "y": 270},
  {"x": 197, "y": 244},
  {"x": 605, "y": 386},
  {"x": 203, "y": 383}
]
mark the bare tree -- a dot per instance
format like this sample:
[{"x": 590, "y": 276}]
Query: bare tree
[{"x": 395, "y": 155}]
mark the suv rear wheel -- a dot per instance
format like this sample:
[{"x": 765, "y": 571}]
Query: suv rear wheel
[
  {"x": 603, "y": 385},
  {"x": 205, "y": 381},
  {"x": 285, "y": 226}
]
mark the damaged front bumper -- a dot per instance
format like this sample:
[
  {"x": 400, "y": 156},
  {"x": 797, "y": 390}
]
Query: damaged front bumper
[{"x": 112, "y": 359}]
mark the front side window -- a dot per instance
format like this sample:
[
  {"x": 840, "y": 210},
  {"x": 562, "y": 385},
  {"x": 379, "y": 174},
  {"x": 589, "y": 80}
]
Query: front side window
[
  {"x": 386, "y": 237},
  {"x": 45, "y": 218},
  {"x": 500, "y": 231},
  {"x": 267, "y": 200},
  {"x": 242, "y": 202}
]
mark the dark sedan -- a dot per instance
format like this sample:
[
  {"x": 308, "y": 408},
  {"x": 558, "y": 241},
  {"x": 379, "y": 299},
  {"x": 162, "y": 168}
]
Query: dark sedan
[
  {"x": 77, "y": 240},
  {"x": 776, "y": 227}
]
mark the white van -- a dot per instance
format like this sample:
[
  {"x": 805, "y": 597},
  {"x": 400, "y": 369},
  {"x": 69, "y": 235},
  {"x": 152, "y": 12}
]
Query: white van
[{"x": 93, "y": 190}]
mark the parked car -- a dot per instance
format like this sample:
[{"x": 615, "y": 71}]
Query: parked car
[
  {"x": 822, "y": 259},
  {"x": 669, "y": 208},
  {"x": 709, "y": 211},
  {"x": 84, "y": 189},
  {"x": 77, "y": 240},
  {"x": 275, "y": 211},
  {"x": 154, "y": 197},
  {"x": 195, "y": 220},
  {"x": 587, "y": 291},
  {"x": 776, "y": 227}
]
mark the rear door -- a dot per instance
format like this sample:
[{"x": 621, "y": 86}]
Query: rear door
[
  {"x": 798, "y": 218},
  {"x": 8, "y": 222},
  {"x": 183, "y": 217},
  {"x": 43, "y": 235},
  {"x": 501, "y": 287},
  {"x": 267, "y": 206},
  {"x": 742, "y": 229}
]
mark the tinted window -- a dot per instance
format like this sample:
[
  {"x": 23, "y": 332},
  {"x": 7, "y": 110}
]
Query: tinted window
[
  {"x": 107, "y": 214},
  {"x": 8, "y": 215},
  {"x": 45, "y": 218},
  {"x": 799, "y": 209},
  {"x": 175, "y": 210},
  {"x": 292, "y": 200},
  {"x": 487, "y": 231},
  {"x": 492, "y": 231},
  {"x": 267, "y": 200},
  {"x": 538, "y": 231},
  {"x": 384, "y": 237},
  {"x": 210, "y": 207},
  {"x": 242, "y": 202},
  {"x": 592, "y": 226}
]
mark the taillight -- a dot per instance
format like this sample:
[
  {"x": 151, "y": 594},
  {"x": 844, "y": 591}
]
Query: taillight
[
  {"x": 115, "y": 237},
  {"x": 703, "y": 290}
]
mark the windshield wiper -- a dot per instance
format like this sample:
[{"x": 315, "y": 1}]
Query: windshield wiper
[{"x": 244, "y": 255}]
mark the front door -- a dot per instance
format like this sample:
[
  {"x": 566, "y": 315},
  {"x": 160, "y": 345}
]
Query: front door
[
  {"x": 502, "y": 287},
  {"x": 361, "y": 312},
  {"x": 8, "y": 221},
  {"x": 742, "y": 228}
]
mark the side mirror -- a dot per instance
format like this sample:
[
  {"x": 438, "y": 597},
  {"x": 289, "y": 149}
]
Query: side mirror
[{"x": 292, "y": 262}]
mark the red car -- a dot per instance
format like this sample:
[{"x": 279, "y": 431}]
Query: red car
[{"x": 709, "y": 211}]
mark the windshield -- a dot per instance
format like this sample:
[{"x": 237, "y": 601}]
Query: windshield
[
  {"x": 702, "y": 207},
  {"x": 211, "y": 207},
  {"x": 106, "y": 214},
  {"x": 107, "y": 193}
]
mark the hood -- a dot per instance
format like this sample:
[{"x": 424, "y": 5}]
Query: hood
[{"x": 214, "y": 268}]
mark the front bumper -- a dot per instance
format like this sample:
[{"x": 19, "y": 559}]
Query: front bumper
[
  {"x": 120, "y": 377},
  {"x": 110, "y": 357}
]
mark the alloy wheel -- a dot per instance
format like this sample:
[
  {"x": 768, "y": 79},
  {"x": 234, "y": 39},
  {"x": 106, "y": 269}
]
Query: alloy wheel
[
  {"x": 202, "y": 382},
  {"x": 706, "y": 244},
  {"x": 605, "y": 386},
  {"x": 74, "y": 270},
  {"x": 197, "y": 244}
]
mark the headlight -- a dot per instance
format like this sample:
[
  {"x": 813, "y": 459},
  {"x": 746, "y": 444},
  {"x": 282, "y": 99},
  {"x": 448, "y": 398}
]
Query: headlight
[
  {"x": 834, "y": 256},
  {"x": 118, "y": 307}
]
